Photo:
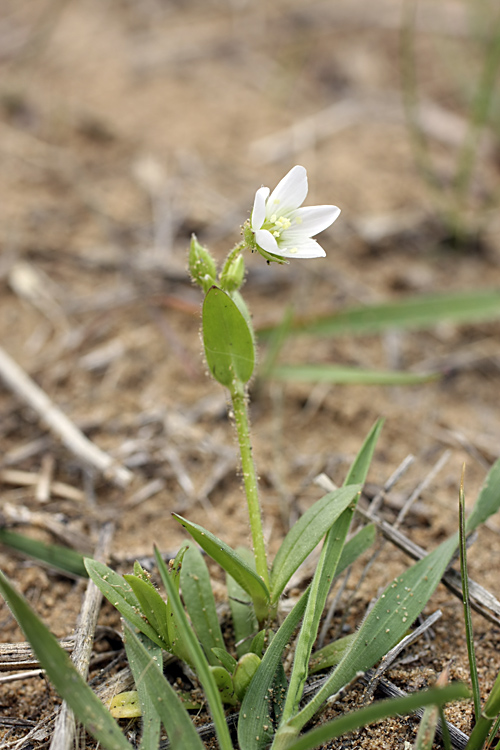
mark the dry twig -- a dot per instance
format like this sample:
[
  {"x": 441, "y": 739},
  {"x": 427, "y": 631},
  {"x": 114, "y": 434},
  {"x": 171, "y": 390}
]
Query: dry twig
[{"x": 23, "y": 386}]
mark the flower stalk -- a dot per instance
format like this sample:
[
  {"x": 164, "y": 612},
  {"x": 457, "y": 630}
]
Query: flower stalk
[{"x": 239, "y": 401}]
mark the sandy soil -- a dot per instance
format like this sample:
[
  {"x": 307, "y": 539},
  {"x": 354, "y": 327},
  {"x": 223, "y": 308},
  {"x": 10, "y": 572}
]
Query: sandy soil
[{"x": 124, "y": 127}]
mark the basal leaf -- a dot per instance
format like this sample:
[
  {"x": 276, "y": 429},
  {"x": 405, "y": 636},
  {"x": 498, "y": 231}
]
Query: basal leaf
[
  {"x": 160, "y": 695},
  {"x": 255, "y": 725},
  {"x": 152, "y": 605},
  {"x": 62, "y": 673},
  {"x": 196, "y": 656},
  {"x": 306, "y": 534},
  {"x": 377, "y": 711},
  {"x": 116, "y": 589},
  {"x": 200, "y": 603},
  {"x": 228, "y": 559}
]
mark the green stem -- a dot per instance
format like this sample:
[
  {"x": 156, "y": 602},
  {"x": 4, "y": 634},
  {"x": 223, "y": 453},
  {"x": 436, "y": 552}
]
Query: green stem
[
  {"x": 239, "y": 399},
  {"x": 469, "y": 635}
]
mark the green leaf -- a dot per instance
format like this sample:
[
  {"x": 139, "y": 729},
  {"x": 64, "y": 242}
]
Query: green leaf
[
  {"x": 306, "y": 534},
  {"x": 228, "y": 559},
  {"x": 488, "y": 501},
  {"x": 176, "y": 631},
  {"x": 125, "y": 705},
  {"x": 61, "y": 558},
  {"x": 225, "y": 686},
  {"x": 244, "y": 673},
  {"x": 196, "y": 656},
  {"x": 378, "y": 711},
  {"x": 400, "y": 604},
  {"x": 227, "y": 661},
  {"x": 331, "y": 654},
  {"x": 359, "y": 470},
  {"x": 242, "y": 612},
  {"x": 354, "y": 548},
  {"x": 152, "y": 605},
  {"x": 386, "y": 623},
  {"x": 200, "y": 603},
  {"x": 414, "y": 312},
  {"x": 116, "y": 589},
  {"x": 227, "y": 338},
  {"x": 255, "y": 725},
  {"x": 160, "y": 695},
  {"x": 343, "y": 375},
  {"x": 151, "y": 722},
  {"x": 318, "y": 593},
  {"x": 61, "y": 672}
]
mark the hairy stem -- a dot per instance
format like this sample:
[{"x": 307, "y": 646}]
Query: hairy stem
[{"x": 239, "y": 399}]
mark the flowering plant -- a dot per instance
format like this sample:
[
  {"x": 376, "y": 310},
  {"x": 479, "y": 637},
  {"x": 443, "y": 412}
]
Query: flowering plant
[{"x": 273, "y": 710}]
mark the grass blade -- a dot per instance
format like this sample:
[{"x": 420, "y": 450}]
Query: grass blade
[
  {"x": 196, "y": 656},
  {"x": 151, "y": 722},
  {"x": 200, "y": 603},
  {"x": 255, "y": 725},
  {"x": 343, "y": 375},
  {"x": 469, "y": 634},
  {"x": 306, "y": 534},
  {"x": 61, "y": 672},
  {"x": 359, "y": 470},
  {"x": 54, "y": 555},
  {"x": 413, "y": 312},
  {"x": 378, "y": 711},
  {"x": 160, "y": 694}
]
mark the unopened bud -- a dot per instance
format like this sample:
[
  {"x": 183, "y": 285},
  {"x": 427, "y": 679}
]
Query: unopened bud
[
  {"x": 201, "y": 265},
  {"x": 233, "y": 274}
]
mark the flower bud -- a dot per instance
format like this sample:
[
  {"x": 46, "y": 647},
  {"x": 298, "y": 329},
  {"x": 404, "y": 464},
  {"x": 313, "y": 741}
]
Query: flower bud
[
  {"x": 201, "y": 265},
  {"x": 233, "y": 274}
]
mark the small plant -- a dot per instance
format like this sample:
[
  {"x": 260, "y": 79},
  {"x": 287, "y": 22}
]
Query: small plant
[{"x": 272, "y": 711}]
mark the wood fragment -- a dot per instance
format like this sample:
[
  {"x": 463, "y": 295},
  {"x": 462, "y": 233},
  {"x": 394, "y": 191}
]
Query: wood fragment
[{"x": 23, "y": 386}]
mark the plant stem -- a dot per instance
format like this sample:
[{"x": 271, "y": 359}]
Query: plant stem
[{"x": 239, "y": 399}]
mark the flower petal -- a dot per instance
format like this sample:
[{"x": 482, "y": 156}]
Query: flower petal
[
  {"x": 289, "y": 193},
  {"x": 305, "y": 248},
  {"x": 313, "y": 219},
  {"x": 259, "y": 208},
  {"x": 266, "y": 241}
]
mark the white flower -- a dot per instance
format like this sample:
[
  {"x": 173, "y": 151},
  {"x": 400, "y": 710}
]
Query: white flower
[{"x": 280, "y": 227}]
